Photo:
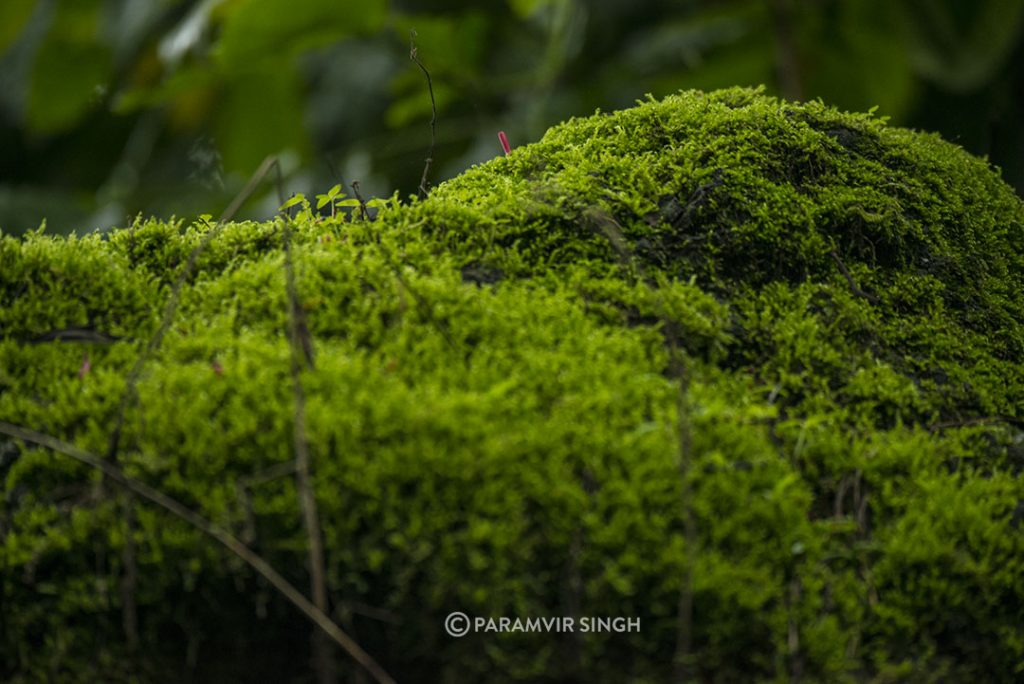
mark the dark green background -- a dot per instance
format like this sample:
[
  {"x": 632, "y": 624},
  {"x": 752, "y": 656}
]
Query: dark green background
[{"x": 110, "y": 108}]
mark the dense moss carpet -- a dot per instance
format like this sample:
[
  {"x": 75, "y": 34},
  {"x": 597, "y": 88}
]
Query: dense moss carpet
[{"x": 749, "y": 371}]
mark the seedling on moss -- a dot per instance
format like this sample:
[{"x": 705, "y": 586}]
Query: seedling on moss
[
  {"x": 504, "y": 143},
  {"x": 303, "y": 213},
  {"x": 329, "y": 198},
  {"x": 335, "y": 198}
]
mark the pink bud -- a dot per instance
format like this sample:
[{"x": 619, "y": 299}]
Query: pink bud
[{"x": 504, "y": 142}]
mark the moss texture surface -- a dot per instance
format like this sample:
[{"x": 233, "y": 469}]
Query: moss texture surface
[{"x": 762, "y": 357}]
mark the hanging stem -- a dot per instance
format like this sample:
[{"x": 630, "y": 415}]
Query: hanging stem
[{"x": 424, "y": 182}]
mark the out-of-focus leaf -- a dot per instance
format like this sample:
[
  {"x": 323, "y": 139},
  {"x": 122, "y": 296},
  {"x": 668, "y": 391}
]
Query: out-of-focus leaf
[
  {"x": 960, "y": 45},
  {"x": 525, "y": 8},
  {"x": 25, "y": 207},
  {"x": 414, "y": 105},
  {"x": 265, "y": 30},
  {"x": 188, "y": 33},
  {"x": 743, "y": 64},
  {"x": 689, "y": 42},
  {"x": 718, "y": 46},
  {"x": 260, "y": 114},
  {"x": 71, "y": 70},
  {"x": 860, "y": 59},
  {"x": 13, "y": 16},
  {"x": 179, "y": 84},
  {"x": 292, "y": 201}
]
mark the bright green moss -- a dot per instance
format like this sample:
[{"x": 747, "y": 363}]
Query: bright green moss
[{"x": 493, "y": 415}]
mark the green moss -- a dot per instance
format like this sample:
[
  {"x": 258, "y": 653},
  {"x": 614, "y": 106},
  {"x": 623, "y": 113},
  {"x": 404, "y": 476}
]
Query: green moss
[{"x": 494, "y": 415}]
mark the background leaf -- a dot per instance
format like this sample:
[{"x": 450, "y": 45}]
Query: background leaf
[
  {"x": 71, "y": 70},
  {"x": 256, "y": 31},
  {"x": 133, "y": 106},
  {"x": 13, "y": 16}
]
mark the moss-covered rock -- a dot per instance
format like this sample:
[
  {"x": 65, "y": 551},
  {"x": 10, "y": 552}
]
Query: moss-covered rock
[{"x": 760, "y": 358}]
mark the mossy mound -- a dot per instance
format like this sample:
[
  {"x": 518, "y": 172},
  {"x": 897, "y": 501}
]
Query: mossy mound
[{"x": 760, "y": 358}]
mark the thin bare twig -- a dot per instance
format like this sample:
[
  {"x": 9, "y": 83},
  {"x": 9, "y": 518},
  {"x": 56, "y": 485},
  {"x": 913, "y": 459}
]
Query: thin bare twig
[
  {"x": 130, "y": 578},
  {"x": 362, "y": 203},
  {"x": 683, "y": 656},
  {"x": 794, "y": 652},
  {"x": 424, "y": 182},
  {"x": 243, "y": 490},
  {"x": 128, "y": 395},
  {"x": 74, "y": 334},
  {"x": 302, "y": 356},
  {"x": 372, "y": 612},
  {"x": 421, "y": 301},
  {"x": 130, "y": 392},
  {"x": 849, "y": 279},
  {"x": 250, "y": 187},
  {"x": 603, "y": 224},
  {"x": 969, "y": 422},
  {"x": 255, "y": 561},
  {"x": 267, "y": 475}
]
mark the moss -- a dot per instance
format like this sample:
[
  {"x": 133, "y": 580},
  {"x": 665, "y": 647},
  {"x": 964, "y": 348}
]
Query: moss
[{"x": 495, "y": 414}]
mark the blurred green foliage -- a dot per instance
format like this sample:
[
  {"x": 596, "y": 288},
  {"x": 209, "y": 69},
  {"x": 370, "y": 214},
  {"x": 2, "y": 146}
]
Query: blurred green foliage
[
  {"x": 496, "y": 425},
  {"x": 109, "y": 108}
]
